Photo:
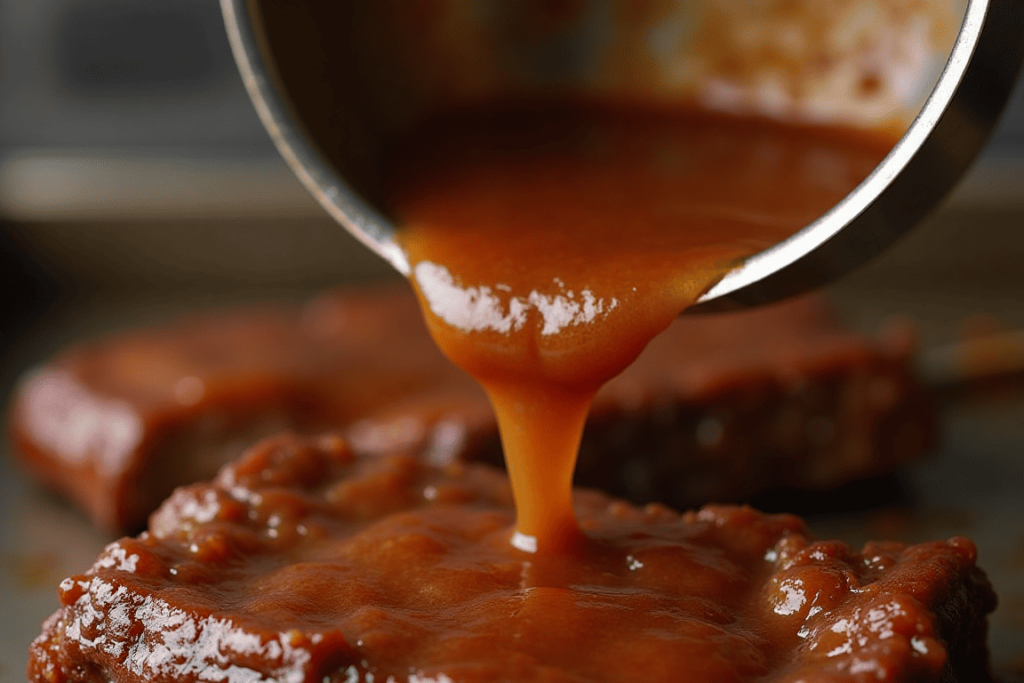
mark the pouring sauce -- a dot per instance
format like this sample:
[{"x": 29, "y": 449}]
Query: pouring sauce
[
  {"x": 546, "y": 256},
  {"x": 548, "y": 246}
]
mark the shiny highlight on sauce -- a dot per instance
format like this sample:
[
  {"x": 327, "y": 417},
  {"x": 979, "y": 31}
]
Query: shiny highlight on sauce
[{"x": 549, "y": 245}]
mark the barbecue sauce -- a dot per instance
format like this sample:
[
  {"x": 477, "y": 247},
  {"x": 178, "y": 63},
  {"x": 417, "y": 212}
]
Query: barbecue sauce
[{"x": 549, "y": 245}]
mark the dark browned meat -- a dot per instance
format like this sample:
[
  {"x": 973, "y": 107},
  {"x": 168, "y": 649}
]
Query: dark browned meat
[
  {"x": 721, "y": 408},
  {"x": 307, "y": 562},
  {"x": 717, "y": 408},
  {"x": 117, "y": 423}
]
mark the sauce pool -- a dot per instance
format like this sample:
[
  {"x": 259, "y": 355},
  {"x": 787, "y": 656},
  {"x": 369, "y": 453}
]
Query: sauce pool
[{"x": 549, "y": 246}]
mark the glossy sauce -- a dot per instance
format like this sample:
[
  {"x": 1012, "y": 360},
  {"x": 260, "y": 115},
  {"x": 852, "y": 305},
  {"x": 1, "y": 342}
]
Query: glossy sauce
[
  {"x": 306, "y": 560},
  {"x": 548, "y": 247}
]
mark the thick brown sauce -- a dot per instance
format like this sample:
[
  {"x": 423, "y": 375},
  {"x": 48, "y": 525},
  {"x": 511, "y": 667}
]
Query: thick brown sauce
[{"x": 549, "y": 247}]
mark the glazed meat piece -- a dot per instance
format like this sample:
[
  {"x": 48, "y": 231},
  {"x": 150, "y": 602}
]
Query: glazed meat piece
[
  {"x": 305, "y": 561},
  {"x": 718, "y": 408},
  {"x": 117, "y": 423}
]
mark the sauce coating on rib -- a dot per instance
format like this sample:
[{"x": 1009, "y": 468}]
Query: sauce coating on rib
[
  {"x": 549, "y": 245},
  {"x": 308, "y": 561}
]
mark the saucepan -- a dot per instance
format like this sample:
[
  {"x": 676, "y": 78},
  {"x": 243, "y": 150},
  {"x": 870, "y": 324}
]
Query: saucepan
[{"x": 337, "y": 82}]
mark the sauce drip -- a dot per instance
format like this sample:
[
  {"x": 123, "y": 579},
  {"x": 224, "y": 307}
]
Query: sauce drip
[{"x": 548, "y": 247}]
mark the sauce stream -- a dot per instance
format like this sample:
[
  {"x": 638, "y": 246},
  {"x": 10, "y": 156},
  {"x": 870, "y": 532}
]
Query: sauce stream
[{"x": 548, "y": 247}]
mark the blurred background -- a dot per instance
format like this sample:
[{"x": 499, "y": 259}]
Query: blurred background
[{"x": 132, "y": 164}]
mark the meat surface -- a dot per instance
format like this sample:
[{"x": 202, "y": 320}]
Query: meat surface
[
  {"x": 718, "y": 408},
  {"x": 309, "y": 561},
  {"x": 117, "y": 423}
]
